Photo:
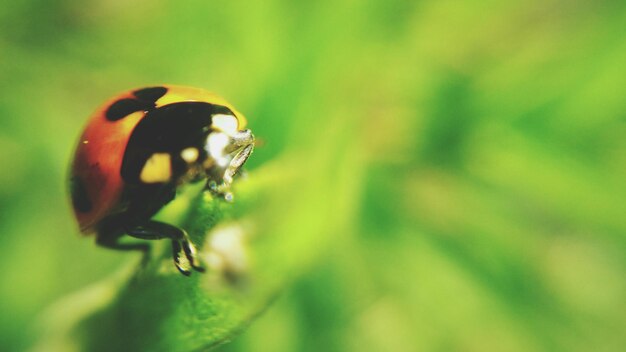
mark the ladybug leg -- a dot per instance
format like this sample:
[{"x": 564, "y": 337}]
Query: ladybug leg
[
  {"x": 112, "y": 240},
  {"x": 243, "y": 143},
  {"x": 238, "y": 160},
  {"x": 184, "y": 251}
]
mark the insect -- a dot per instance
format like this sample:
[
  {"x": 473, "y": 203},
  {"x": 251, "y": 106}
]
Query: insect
[{"x": 139, "y": 148}]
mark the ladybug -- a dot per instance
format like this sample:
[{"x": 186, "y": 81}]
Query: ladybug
[{"x": 139, "y": 148}]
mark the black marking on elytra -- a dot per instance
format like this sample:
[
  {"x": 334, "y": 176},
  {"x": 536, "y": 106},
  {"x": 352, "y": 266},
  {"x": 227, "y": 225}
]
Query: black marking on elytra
[
  {"x": 125, "y": 107},
  {"x": 80, "y": 199},
  {"x": 151, "y": 94}
]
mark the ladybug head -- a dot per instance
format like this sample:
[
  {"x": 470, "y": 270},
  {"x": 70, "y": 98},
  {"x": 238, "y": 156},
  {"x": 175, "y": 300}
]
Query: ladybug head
[
  {"x": 218, "y": 156},
  {"x": 224, "y": 144}
]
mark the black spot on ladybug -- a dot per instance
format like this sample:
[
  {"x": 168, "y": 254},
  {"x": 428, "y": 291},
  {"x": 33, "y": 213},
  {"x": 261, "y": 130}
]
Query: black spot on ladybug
[
  {"x": 125, "y": 107},
  {"x": 168, "y": 129},
  {"x": 151, "y": 94},
  {"x": 80, "y": 199}
]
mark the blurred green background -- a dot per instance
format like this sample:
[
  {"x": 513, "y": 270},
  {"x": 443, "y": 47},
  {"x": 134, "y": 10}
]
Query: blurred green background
[{"x": 486, "y": 212}]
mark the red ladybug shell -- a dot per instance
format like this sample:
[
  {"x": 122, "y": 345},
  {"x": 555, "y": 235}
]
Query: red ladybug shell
[{"x": 96, "y": 182}]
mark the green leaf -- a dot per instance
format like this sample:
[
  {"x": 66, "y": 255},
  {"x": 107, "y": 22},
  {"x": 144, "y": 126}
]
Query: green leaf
[{"x": 279, "y": 223}]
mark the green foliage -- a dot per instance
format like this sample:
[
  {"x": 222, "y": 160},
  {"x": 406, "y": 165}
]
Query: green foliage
[
  {"x": 432, "y": 176},
  {"x": 249, "y": 258}
]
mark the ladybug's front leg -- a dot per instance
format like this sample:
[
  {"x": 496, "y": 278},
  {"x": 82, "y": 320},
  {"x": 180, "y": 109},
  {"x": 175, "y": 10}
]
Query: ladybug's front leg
[
  {"x": 184, "y": 252},
  {"x": 242, "y": 144},
  {"x": 244, "y": 141}
]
